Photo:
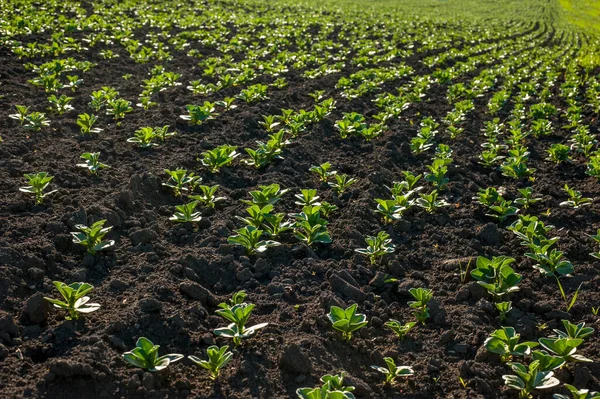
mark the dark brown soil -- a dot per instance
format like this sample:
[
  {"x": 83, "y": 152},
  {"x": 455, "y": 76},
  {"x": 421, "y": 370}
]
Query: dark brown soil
[{"x": 142, "y": 283}]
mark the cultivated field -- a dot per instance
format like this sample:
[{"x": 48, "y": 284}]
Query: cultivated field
[{"x": 225, "y": 178}]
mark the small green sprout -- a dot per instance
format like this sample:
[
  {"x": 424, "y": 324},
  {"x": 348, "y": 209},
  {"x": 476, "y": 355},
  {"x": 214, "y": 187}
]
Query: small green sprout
[
  {"x": 505, "y": 342},
  {"x": 61, "y": 104},
  {"x": 323, "y": 171},
  {"x": 180, "y": 180},
  {"x": 249, "y": 238},
  {"x": 422, "y": 296},
  {"x": 430, "y": 201},
  {"x": 307, "y": 197},
  {"x": 92, "y": 162},
  {"x": 527, "y": 198},
  {"x": 400, "y": 329},
  {"x": 199, "y": 113},
  {"x": 91, "y": 237},
  {"x": 118, "y": 108},
  {"x": 577, "y": 393},
  {"x": 346, "y": 321},
  {"x": 221, "y": 156},
  {"x": 21, "y": 114},
  {"x": 238, "y": 312},
  {"x": 218, "y": 358},
  {"x": 186, "y": 213},
  {"x": 576, "y": 200},
  {"x": 392, "y": 371},
  {"x": 333, "y": 388},
  {"x": 341, "y": 183},
  {"x": 145, "y": 356},
  {"x": 75, "y": 300},
  {"x": 389, "y": 209},
  {"x": 36, "y": 121},
  {"x": 208, "y": 197},
  {"x": 528, "y": 379},
  {"x": 503, "y": 308},
  {"x": 496, "y": 275},
  {"x": 558, "y": 153},
  {"x": 378, "y": 246},
  {"x": 144, "y": 137},
  {"x": 86, "y": 123},
  {"x": 37, "y": 184}
]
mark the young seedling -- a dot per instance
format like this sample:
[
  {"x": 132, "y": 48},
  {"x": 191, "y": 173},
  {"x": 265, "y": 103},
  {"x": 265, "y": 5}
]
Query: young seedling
[
  {"x": 61, "y": 104},
  {"x": 186, "y": 213},
  {"x": 564, "y": 347},
  {"x": 227, "y": 103},
  {"x": 21, "y": 113},
  {"x": 145, "y": 356},
  {"x": 430, "y": 202},
  {"x": 274, "y": 224},
  {"x": 333, "y": 388},
  {"x": 208, "y": 197},
  {"x": 527, "y": 198},
  {"x": 528, "y": 379},
  {"x": 74, "y": 82},
  {"x": 327, "y": 208},
  {"x": 91, "y": 237},
  {"x": 576, "y": 200},
  {"x": 341, "y": 183},
  {"x": 221, "y": 156},
  {"x": 463, "y": 271},
  {"x": 577, "y": 393},
  {"x": 505, "y": 342},
  {"x": 496, "y": 275},
  {"x": 502, "y": 210},
  {"x": 392, "y": 371},
  {"x": 249, "y": 238},
  {"x": 550, "y": 261},
  {"x": 238, "y": 312},
  {"x": 558, "y": 153},
  {"x": 218, "y": 358},
  {"x": 267, "y": 195},
  {"x": 346, "y": 321},
  {"x": 118, "y": 108},
  {"x": 307, "y": 198},
  {"x": 400, "y": 329},
  {"x": 262, "y": 156},
  {"x": 86, "y": 123},
  {"x": 161, "y": 133},
  {"x": 180, "y": 180},
  {"x": 312, "y": 233},
  {"x": 36, "y": 121},
  {"x": 488, "y": 197},
  {"x": 197, "y": 114},
  {"x": 377, "y": 246},
  {"x": 574, "y": 330},
  {"x": 389, "y": 209},
  {"x": 144, "y": 137},
  {"x": 75, "y": 301},
  {"x": 256, "y": 215},
  {"x": 437, "y": 174},
  {"x": 422, "y": 296},
  {"x": 503, "y": 308},
  {"x": 323, "y": 171},
  {"x": 37, "y": 184},
  {"x": 92, "y": 162},
  {"x": 269, "y": 123}
]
